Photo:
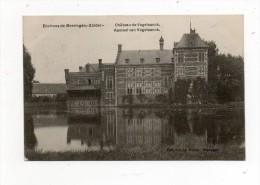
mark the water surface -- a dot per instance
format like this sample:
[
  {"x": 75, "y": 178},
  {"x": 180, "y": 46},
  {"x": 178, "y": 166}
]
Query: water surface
[{"x": 98, "y": 129}]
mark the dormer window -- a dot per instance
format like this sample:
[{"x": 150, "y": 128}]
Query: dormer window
[
  {"x": 127, "y": 60},
  {"x": 142, "y": 60},
  {"x": 190, "y": 43},
  {"x": 157, "y": 60}
]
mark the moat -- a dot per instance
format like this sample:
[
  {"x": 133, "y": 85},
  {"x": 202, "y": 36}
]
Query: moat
[{"x": 195, "y": 133}]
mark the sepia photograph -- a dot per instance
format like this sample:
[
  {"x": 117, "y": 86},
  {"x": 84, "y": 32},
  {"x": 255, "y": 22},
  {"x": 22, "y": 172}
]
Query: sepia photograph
[{"x": 134, "y": 88}]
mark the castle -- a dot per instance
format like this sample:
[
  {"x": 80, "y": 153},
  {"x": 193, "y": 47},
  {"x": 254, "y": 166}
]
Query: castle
[{"x": 138, "y": 76}]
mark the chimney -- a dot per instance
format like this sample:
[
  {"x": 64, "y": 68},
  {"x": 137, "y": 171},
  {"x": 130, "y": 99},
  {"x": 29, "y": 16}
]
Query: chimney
[
  {"x": 99, "y": 63},
  {"x": 119, "y": 48},
  {"x": 66, "y": 75},
  {"x": 161, "y": 41},
  {"x": 66, "y": 71},
  {"x": 80, "y": 68},
  {"x": 87, "y": 68}
]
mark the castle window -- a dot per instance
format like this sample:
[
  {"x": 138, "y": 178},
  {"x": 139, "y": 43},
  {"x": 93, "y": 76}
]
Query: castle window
[
  {"x": 138, "y": 90},
  {"x": 130, "y": 87},
  {"x": 180, "y": 57},
  {"x": 180, "y": 71},
  {"x": 129, "y": 91},
  {"x": 157, "y": 60},
  {"x": 109, "y": 82},
  {"x": 127, "y": 60},
  {"x": 147, "y": 87},
  {"x": 97, "y": 81},
  {"x": 142, "y": 60},
  {"x": 172, "y": 60},
  {"x": 109, "y": 95},
  {"x": 201, "y": 70},
  {"x": 88, "y": 81},
  {"x": 92, "y": 82},
  {"x": 138, "y": 87},
  {"x": 157, "y": 91},
  {"x": 201, "y": 57}
]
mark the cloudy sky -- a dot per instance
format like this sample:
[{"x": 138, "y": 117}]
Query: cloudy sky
[{"x": 55, "y": 49}]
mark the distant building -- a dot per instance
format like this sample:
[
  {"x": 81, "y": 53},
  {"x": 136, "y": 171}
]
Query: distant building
[
  {"x": 49, "y": 90},
  {"x": 138, "y": 76}
]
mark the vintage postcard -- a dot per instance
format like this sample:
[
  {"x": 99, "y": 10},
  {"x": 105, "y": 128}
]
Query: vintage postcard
[{"x": 161, "y": 87}]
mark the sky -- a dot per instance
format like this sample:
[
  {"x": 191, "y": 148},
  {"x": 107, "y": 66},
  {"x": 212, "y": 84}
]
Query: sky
[{"x": 54, "y": 49}]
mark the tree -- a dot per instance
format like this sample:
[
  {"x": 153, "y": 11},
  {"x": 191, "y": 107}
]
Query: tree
[
  {"x": 212, "y": 48},
  {"x": 225, "y": 75},
  {"x": 200, "y": 90},
  {"x": 212, "y": 67},
  {"x": 30, "y": 140},
  {"x": 161, "y": 98},
  {"x": 28, "y": 74},
  {"x": 230, "y": 78},
  {"x": 181, "y": 90}
]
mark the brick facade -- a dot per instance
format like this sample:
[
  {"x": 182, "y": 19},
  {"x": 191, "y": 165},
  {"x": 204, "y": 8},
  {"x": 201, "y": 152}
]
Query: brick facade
[{"x": 142, "y": 87}]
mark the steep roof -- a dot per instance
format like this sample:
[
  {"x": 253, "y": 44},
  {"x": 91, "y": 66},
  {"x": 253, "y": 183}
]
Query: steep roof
[
  {"x": 149, "y": 56},
  {"x": 44, "y": 88},
  {"x": 92, "y": 67},
  {"x": 190, "y": 40}
]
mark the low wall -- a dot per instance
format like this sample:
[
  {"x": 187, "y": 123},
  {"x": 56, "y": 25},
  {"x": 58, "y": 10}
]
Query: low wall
[{"x": 142, "y": 99}]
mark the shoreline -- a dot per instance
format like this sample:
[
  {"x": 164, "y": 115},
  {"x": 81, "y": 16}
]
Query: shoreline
[{"x": 63, "y": 104}]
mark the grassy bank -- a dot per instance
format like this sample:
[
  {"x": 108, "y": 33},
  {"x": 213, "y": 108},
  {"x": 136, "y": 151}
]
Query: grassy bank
[
  {"x": 176, "y": 106},
  {"x": 44, "y": 104},
  {"x": 229, "y": 153}
]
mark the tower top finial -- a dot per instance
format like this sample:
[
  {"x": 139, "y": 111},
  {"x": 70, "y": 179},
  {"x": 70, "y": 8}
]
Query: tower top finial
[
  {"x": 190, "y": 23},
  {"x": 192, "y": 31}
]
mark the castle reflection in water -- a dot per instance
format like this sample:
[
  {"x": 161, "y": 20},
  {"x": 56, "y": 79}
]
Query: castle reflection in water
[{"x": 107, "y": 129}]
